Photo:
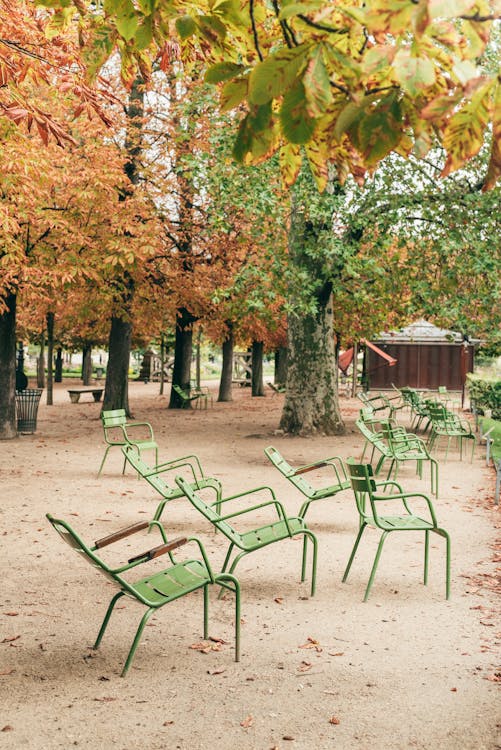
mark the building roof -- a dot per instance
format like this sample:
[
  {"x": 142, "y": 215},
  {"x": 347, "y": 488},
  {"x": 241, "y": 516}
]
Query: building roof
[{"x": 421, "y": 332}]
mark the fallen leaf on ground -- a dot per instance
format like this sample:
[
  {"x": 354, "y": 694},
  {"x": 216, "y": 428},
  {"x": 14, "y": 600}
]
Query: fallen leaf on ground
[
  {"x": 312, "y": 643},
  {"x": 105, "y": 699},
  {"x": 7, "y": 728},
  {"x": 11, "y": 638},
  {"x": 304, "y": 666},
  {"x": 334, "y": 720},
  {"x": 337, "y": 653},
  {"x": 11, "y": 614},
  {"x": 278, "y": 599},
  {"x": 216, "y": 671},
  {"x": 247, "y": 722},
  {"x": 7, "y": 671},
  {"x": 167, "y": 723}
]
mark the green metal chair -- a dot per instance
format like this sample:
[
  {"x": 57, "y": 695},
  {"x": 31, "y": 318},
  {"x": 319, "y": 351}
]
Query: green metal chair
[
  {"x": 249, "y": 541},
  {"x": 445, "y": 423},
  {"x": 159, "y": 587},
  {"x": 194, "y": 395},
  {"x": 118, "y": 432},
  {"x": 405, "y": 446},
  {"x": 154, "y": 478},
  {"x": 296, "y": 477},
  {"x": 368, "y": 495}
]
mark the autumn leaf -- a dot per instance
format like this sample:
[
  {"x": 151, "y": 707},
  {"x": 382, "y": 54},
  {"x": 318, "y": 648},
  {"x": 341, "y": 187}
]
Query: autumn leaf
[
  {"x": 247, "y": 722},
  {"x": 334, "y": 720}
]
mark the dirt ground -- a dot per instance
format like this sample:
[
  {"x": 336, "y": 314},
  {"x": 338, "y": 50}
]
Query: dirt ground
[{"x": 406, "y": 669}]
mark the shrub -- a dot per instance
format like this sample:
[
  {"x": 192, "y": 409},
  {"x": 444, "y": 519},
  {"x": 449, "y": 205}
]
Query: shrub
[{"x": 485, "y": 393}]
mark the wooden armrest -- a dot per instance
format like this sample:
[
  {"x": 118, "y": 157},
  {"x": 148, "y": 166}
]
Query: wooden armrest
[
  {"x": 304, "y": 469},
  {"x": 160, "y": 550},
  {"x": 121, "y": 534}
]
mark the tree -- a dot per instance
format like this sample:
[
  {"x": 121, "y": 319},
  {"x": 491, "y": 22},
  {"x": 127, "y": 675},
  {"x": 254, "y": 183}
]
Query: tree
[{"x": 350, "y": 81}]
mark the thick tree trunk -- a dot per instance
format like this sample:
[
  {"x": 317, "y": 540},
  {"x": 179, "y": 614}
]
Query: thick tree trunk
[
  {"x": 280, "y": 374},
  {"x": 225, "y": 384},
  {"x": 257, "y": 368},
  {"x": 183, "y": 351},
  {"x": 116, "y": 394},
  {"x": 50, "y": 358},
  {"x": 8, "y": 425},
  {"x": 86, "y": 364},
  {"x": 311, "y": 401}
]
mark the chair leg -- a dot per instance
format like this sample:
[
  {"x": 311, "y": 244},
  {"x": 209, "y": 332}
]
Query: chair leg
[
  {"x": 426, "y": 556},
  {"x": 107, "y": 618},
  {"x": 361, "y": 530},
  {"x": 375, "y": 564},
  {"x": 137, "y": 638},
  {"x": 223, "y": 579},
  {"x": 313, "y": 541},
  {"x": 206, "y": 611},
  {"x": 104, "y": 459}
]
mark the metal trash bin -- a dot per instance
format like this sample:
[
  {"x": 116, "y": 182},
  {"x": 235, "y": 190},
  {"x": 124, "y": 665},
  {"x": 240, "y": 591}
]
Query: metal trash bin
[{"x": 27, "y": 409}]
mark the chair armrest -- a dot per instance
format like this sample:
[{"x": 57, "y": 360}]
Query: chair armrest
[
  {"x": 138, "y": 424},
  {"x": 121, "y": 534},
  {"x": 404, "y": 496},
  {"x": 244, "y": 494},
  {"x": 276, "y": 503},
  {"x": 162, "y": 549},
  {"x": 178, "y": 462}
]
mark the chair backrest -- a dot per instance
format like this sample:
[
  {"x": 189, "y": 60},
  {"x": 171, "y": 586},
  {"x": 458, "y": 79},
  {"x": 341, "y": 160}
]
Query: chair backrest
[
  {"x": 155, "y": 480},
  {"x": 289, "y": 472},
  {"x": 362, "y": 482},
  {"x": 114, "y": 418},
  {"x": 75, "y": 542},
  {"x": 207, "y": 510}
]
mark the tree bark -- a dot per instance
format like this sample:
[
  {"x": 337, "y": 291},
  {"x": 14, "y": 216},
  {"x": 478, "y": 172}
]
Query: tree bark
[
  {"x": 280, "y": 375},
  {"x": 50, "y": 358},
  {"x": 116, "y": 395},
  {"x": 225, "y": 384},
  {"x": 183, "y": 351},
  {"x": 8, "y": 424},
  {"x": 86, "y": 364},
  {"x": 257, "y": 368},
  {"x": 311, "y": 401},
  {"x": 58, "y": 375}
]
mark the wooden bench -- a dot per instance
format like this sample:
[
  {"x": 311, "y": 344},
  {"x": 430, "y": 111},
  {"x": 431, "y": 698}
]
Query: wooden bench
[{"x": 75, "y": 393}]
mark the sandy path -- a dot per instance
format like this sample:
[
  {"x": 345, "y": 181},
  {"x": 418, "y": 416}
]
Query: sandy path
[{"x": 405, "y": 669}]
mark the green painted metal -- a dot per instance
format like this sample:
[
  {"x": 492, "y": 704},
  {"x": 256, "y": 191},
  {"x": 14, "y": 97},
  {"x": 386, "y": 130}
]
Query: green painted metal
[
  {"x": 368, "y": 493},
  {"x": 445, "y": 423},
  {"x": 118, "y": 433},
  {"x": 334, "y": 465},
  {"x": 196, "y": 395},
  {"x": 160, "y": 587},
  {"x": 153, "y": 476},
  {"x": 249, "y": 541}
]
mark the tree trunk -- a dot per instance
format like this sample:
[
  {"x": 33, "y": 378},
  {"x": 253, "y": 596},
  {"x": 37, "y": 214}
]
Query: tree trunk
[
  {"x": 41, "y": 363},
  {"x": 58, "y": 375},
  {"x": 183, "y": 350},
  {"x": 50, "y": 358},
  {"x": 311, "y": 400},
  {"x": 225, "y": 388},
  {"x": 280, "y": 375},
  {"x": 8, "y": 425},
  {"x": 116, "y": 395},
  {"x": 86, "y": 364},
  {"x": 257, "y": 369}
]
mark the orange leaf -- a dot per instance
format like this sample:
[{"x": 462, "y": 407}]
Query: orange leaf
[{"x": 247, "y": 722}]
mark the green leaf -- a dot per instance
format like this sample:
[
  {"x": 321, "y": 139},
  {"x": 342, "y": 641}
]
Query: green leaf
[
  {"x": 233, "y": 93},
  {"x": 290, "y": 163},
  {"x": 212, "y": 28},
  {"x": 222, "y": 72},
  {"x": 378, "y": 131},
  {"x": 317, "y": 85},
  {"x": 297, "y": 124},
  {"x": 144, "y": 34},
  {"x": 413, "y": 73},
  {"x": 185, "y": 26},
  {"x": 296, "y": 9},
  {"x": 275, "y": 75},
  {"x": 147, "y": 6}
]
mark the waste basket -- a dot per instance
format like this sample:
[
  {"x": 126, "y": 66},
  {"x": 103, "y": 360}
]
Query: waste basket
[{"x": 27, "y": 409}]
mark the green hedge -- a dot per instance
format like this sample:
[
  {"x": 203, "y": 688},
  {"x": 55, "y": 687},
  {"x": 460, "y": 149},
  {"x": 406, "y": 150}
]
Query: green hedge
[{"x": 485, "y": 393}]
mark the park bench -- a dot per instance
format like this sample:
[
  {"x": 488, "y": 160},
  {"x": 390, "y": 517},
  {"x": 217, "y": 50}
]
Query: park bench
[
  {"x": 195, "y": 395},
  {"x": 75, "y": 393}
]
